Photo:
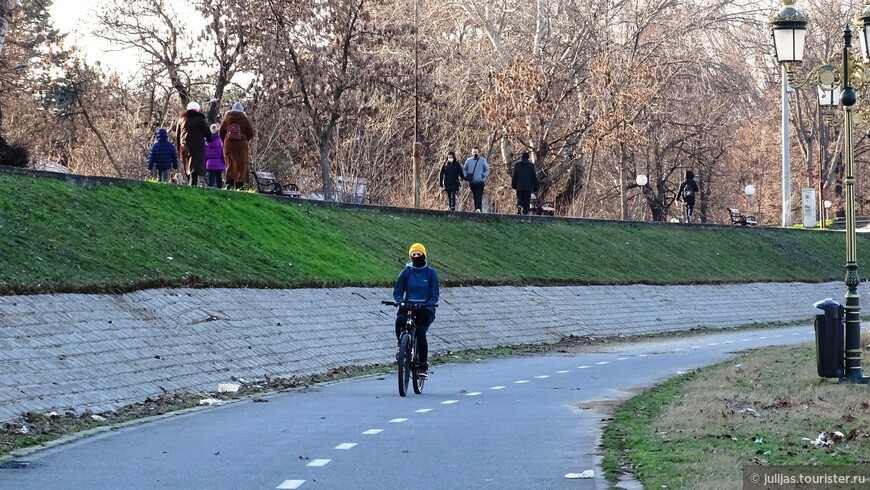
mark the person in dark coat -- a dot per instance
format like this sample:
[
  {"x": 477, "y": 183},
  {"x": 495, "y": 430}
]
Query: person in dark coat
[
  {"x": 191, "y": 133},
  {"x": 449, "y": 179},
  {"x": 524, "y": 181},
  {"x": 688, "y": 190},
  {"x": 163, "y": 156}
]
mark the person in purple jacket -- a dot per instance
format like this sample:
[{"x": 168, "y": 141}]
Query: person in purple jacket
[
  {"x": 418, "y": 283},
  {"x": 214, "y": 159}
]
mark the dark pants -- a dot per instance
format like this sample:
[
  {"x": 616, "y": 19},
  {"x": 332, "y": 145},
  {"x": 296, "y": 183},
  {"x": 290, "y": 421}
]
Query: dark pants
[
  {"x": 477, "y": 192},
  {"x": 194, "y": 179},
  {"x": 451, "y": 199},
  {"x": 524, "y": 200},
  {"x": 690, "y": 208},
  {"x": 214, "y": 178},
  {"x": 422, "y": 320},
  {"x": 162, "y": 174}
]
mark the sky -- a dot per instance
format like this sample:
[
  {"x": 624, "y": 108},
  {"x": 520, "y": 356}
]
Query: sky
[
  {"x": 75, "y": 17},
  {"x": 78, "y": 17}
]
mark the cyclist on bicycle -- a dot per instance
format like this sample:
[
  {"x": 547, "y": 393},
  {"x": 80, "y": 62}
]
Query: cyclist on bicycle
[
  {"x": 688, "y": 191},
  {"x": 418, "y": 284}
]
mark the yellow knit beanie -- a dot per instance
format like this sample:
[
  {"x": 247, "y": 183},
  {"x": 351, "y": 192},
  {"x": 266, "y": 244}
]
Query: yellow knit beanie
[{"x": 417, "y": 247}]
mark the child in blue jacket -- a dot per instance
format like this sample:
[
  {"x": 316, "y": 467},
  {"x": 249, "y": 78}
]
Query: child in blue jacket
[{"x": 163, "y": 156}]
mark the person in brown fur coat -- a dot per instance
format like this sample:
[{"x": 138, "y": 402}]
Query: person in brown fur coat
[{"x": 235, "y": 132}]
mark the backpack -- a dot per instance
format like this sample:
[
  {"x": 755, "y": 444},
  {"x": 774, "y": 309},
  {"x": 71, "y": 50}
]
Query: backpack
[
  {"x": 688, "y": 192},
  {"x": 234, "y": 132}
]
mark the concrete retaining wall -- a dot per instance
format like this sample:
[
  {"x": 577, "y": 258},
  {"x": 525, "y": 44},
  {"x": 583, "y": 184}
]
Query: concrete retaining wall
[{"x": 101, "y": 352}]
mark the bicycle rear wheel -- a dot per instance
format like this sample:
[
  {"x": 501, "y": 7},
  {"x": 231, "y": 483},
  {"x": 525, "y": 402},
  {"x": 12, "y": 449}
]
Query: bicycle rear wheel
[{"x": 403, "y": 361}]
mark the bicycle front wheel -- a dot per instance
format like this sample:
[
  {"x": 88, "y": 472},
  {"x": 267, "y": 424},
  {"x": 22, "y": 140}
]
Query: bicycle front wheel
[{"x": 403, "y": 361}]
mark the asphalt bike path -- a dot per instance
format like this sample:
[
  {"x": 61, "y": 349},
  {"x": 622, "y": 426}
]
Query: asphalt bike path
[{"x": 523, "y": 422}]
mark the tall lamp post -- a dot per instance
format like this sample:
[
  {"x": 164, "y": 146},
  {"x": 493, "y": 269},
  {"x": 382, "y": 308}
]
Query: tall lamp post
[
  {"x": 789, "y": 27},
  {"x": 417, "y": 150}
]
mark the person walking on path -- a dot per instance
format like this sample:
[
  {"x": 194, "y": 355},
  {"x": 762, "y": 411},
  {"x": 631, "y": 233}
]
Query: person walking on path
[
  {"x": 214, "y": 158},
  {"x": 163, "y": 156},
  {"x": 450, "y": 179},
  {"x": 688, "y": 190},
  {"x": 191, "y": 133},
  {"x": 417, "y": 283},
  {"x": 525, "y": 181},
  {"x": 476, "y": 171},
  {"x": 236, "y": 131}
]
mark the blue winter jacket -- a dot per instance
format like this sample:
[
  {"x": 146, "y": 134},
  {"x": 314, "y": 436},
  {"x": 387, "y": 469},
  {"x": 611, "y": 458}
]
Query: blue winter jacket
[
  {"x": 417, "y": 285},
  {"x": 163, "y": 154}
]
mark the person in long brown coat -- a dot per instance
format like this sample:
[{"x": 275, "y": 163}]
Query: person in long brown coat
[
  {"x": 235, "y": 131},
  {"x": 191, "y": 134}
]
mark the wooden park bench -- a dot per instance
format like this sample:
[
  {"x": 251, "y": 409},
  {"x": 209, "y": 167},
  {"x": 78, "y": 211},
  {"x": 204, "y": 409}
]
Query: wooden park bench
[
  {"x": 267, "y": 183},
  {"x": 541, "y": 208},
  {"x": 738, "y": 218}
]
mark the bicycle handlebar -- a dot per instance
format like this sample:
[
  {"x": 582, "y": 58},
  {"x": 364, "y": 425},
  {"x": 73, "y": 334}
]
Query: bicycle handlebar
[{"x": 408, "y": 305}]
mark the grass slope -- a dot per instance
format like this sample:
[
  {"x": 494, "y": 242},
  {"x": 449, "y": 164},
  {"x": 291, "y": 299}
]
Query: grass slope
[{"x": 57, "y": 236}]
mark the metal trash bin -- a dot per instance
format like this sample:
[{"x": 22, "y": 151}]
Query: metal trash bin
[{"x": 830, "y": 339}]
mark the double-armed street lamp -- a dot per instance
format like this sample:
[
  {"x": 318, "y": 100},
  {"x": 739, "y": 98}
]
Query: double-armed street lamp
[{"x": 789, "y": 33}]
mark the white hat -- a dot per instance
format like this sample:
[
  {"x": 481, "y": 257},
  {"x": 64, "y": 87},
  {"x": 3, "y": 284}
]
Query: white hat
[
  {"x": 238, "y": 107},
  {"x": 193, "y": 106}
]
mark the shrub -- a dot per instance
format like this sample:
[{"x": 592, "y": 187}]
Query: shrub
[{"x": 13, "y": 155}]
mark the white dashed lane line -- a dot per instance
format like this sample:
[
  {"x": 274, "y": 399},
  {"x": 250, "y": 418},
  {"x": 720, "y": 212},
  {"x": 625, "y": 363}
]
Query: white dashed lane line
[
  {"x": 423, "y": 410},
  {"x": 398, "y": 421},
  {"x": 621, "y": 358},
  {"x": 543, "y": 376},
  {"x": 562, "y": 372},
  {"x": 372, "y": 432},
  {"x": 473, "y": 393},
  {"x": 449, "y": 402},
  {"x": 497, "y": 388},
  {"x": 345, "y": 445},
  {"x": 582, "y": 367},
  {"x": 319, "y": 462},
  {"x": 522, "y": 381},
  {"x": 603, "y": 362},
  {"x": 290, "y": 484}
]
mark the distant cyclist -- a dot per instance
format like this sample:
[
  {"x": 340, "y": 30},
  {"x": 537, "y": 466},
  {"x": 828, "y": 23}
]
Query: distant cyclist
[
  {"x": 688, "y": 191},
  {"x": 417, "y": 283}
]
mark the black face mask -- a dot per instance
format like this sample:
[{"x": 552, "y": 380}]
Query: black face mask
[{"x": 418, "y": 261}]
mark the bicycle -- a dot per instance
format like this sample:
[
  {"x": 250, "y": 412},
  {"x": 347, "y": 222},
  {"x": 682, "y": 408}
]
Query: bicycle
[{"x": 407, "y": 360}]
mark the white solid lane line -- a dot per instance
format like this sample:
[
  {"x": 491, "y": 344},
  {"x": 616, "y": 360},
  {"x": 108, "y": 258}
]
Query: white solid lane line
[
  {"x": 290, "y": 484},
  {"x": 372, "y": 432},
  {"x": 345, "y": 445},
  {"x": 398, "y": 421},
  {"x": 319, "y": 462}
]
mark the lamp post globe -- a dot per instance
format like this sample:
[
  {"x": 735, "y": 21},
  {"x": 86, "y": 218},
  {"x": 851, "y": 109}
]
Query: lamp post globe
[
  {"x": 749, "y": 190},
  {"x": 641, "y": 180}
]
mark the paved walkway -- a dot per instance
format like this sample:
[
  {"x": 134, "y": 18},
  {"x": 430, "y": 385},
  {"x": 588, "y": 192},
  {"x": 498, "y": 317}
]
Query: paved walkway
[{"x": 100, "y": 352}]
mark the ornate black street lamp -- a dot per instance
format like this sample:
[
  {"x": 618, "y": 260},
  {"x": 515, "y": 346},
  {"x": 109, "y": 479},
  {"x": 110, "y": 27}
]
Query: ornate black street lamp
[{"x": 848, "y": 98}]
